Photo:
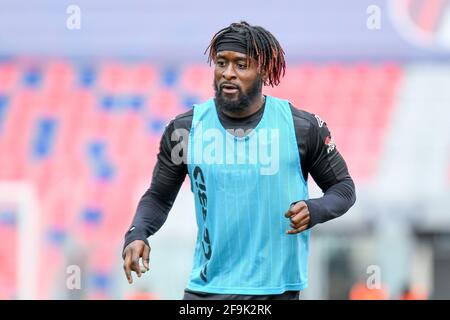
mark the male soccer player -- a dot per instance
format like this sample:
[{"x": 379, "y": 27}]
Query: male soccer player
[{"x": 248, "y": 157}]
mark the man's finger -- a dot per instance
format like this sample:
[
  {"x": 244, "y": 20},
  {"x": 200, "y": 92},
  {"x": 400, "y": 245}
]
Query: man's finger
[
  {"x": 295, "y": 208},
  {"x": 127, "y": 267},
  {"x": 301, "y": 223},
  {"x": 135, "y": 263},
  {"x": 299, "y": 217},
  {"x": 290, "y": 212},
  {"x": 146, "y": 257},
  {"x": 297, "y": 230}
]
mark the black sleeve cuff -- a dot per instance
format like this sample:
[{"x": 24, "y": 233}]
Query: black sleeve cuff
[
  {"x": 133, "y": 235},
  {"x": 314, "y": 213},
  {"x": 315, "y": 216}
]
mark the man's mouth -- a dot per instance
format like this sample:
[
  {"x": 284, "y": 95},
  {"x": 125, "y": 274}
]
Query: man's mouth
[{"x": 229, "y": 88}]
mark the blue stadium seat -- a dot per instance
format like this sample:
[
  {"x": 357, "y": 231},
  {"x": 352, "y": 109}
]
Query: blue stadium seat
[
  {"x": 87, "y": 77},
  {"x": 3, "y": 108},
  {"x": 108, "y": 103},
  {"x": 136, "y": 103},
  {"x": 92, "y": 216},
  {"x": 97, "y": 150},
  {"x": 104, "y": 172},
  {"x": 100, "y": 281},
  {"x": 32, "y": 78},
  {"x": 122, "y": 103},
  {"x": 97, "y": 158},
  {"x": 156, "y": 126},
  {"x": 170, "y": 77},
  {"x": 189, "y": 101},
  {"x": 8, "y": 218},
  {"x": 56, "y": 236},
  {"x": 44, "y": 138}
]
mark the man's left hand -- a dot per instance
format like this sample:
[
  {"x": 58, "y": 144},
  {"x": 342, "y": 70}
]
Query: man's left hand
[{"x": 299, "y": 216}]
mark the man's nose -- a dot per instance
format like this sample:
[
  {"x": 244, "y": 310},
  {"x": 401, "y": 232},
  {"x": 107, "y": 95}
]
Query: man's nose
[{"x": 228, "y": 73}]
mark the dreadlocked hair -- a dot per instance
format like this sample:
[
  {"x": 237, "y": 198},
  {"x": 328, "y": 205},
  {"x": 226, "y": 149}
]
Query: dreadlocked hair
[{"x": 261, "y": 45}]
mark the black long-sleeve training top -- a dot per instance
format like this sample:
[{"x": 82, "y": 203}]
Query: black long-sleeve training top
[{"x": 318, "y": 154}]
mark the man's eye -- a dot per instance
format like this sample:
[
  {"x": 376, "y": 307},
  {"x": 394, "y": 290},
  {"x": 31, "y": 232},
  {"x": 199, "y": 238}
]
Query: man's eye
[
  {"x": 220, "y": 63},
  {"x": 242, "y": 66}
]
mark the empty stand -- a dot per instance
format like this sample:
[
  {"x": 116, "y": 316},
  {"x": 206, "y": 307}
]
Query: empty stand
[{"x": 87, "y": 136}]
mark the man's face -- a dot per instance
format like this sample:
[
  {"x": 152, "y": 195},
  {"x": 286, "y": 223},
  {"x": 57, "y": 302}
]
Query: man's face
[{"x": 236, "y": 83}]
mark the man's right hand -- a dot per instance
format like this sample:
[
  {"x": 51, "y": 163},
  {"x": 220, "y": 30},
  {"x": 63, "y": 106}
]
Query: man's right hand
[{"x": 131, "y": 255}]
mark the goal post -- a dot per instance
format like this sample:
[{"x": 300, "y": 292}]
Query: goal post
[{"x": 22, "y": 196}]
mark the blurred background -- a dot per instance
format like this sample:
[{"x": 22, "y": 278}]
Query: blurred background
[{"x": 86, "y": 89}]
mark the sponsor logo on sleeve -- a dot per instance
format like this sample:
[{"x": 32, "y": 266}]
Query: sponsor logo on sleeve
[
  {"x": 319, "y": 121},
  {"x": 330, "y": 144}
]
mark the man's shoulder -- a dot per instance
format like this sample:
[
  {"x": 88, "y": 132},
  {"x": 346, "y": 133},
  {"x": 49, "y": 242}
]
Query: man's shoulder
[
  {"x": 306, "y": 118},
  {"x": 185, "y": 115},
  {"x": 312, "y": 128},
  {"x": 182, "y": 120}
]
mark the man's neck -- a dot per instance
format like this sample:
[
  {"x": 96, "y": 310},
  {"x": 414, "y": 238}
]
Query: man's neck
[{"x": 253, "y": 108}]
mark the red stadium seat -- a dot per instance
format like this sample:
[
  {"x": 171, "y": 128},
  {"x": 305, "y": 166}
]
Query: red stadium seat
[{"x": 9, "y": 77}]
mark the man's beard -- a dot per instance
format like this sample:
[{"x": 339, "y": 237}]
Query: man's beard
[{"x": 243, "y": 101}]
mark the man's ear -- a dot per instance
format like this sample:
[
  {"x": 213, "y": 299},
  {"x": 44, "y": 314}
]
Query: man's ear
[{"x": 264, "y": 76}]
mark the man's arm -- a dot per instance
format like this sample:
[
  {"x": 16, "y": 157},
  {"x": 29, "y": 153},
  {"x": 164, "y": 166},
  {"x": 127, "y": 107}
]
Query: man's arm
[
  {"x": 155, "y": 204},
  {"x": 157, "y": 201},
  {"x": 321, "y": 159}
]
